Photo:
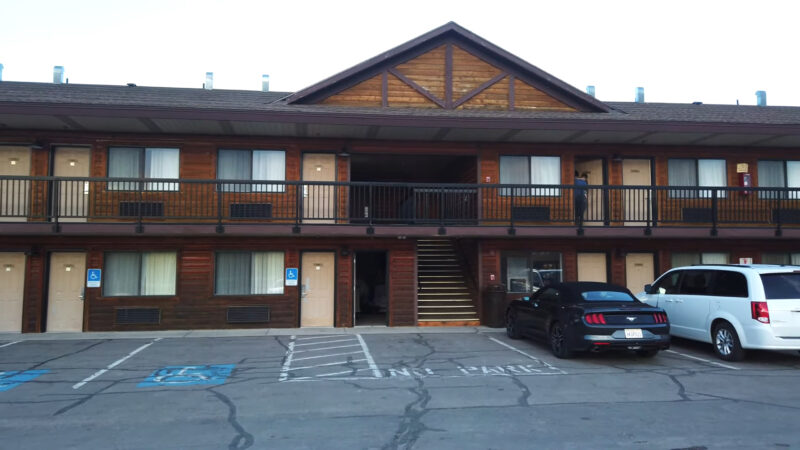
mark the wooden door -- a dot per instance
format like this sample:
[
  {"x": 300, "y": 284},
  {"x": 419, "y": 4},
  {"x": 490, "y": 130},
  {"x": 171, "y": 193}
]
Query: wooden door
[
  {"x": 73, "y": 195},
  {"x": 639, "y": 270},
  {"x": 592, "y": 267},
  {"x": 15, "y": 194},
  {"x": 66, "y": 291},
  {"x": 12, "y": 289},
  {"x": 318, "y": 272},
  {"x": 319, "y": 202},
  {"x": 636, "y": 202},
  {"x": 595, "y": 210}
]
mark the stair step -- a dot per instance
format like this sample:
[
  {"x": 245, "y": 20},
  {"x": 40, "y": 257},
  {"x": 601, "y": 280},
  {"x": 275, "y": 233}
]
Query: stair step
[
  {"x": 449, "y": 300},
  {"x": 442, "y": 288},
  {"x": 448, "y": 313},
  {"x": 447, "y": 306}
]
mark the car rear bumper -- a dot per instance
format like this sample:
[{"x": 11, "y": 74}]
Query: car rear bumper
[
  {"x": 604, "y": 341},
  {"x": 763, "y": 338}
]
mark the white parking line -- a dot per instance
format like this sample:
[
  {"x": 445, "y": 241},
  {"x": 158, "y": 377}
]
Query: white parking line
[
  {"x": 704, "y": 360},
  {"x": 329, "y": 364},
  {"x": 325, "y": 348},
  {"x": 370, "y": 361},
  {"x": 10, "y": 344},
  {"x": 315, "y": 337},
  {"x": 287, "y": 362},
  {"x": 324, "y": 342},
  {"x": 324, "y": 356},
  {"x": 114, "y": 364},
  {"x": 548, "y": 365}
]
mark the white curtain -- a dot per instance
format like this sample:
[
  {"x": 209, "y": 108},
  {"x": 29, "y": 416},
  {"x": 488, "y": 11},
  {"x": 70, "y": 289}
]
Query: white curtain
[
  {"x": 269, "y": 165},
  {"x": 232, "y": 273},
  {"x": 711, "y": 172},
  {"x": 796, "y": 259},
  {"x": 162, "y": 163},
  {"x": 682, "y": 172},
  {"x": 234, "y": 165},
  {"x": 770, "y": 174},
  {"x": 778, "y": 258},
  {"x": 685, "y": 259},
  {"x": 514, "y": 170},
  {"x": 546, "y": 170},
  {"x": 793, "y": 178},
  {"x": 158, "y": 273},
  {"x": 714, "y": 258},
  {"x": 123, "y": 163},
  {"x": 121, "y": 274},
  {"x": 267, "y": 274}
]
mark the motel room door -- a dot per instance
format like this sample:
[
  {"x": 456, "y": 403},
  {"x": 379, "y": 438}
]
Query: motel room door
[
  {"x": 73, "y": 196},
  {"x": 595, "y": 201},
  {"x": 592, "y": 267},
  {"x": 317, "y": 271},
  {"x": 639, "y": 270},
  {"x": 636, "y": 203},
  {"x": 12, "y": 289},
  {"x": 319, "y": 202},
  {"x": 66, "y": 291}
]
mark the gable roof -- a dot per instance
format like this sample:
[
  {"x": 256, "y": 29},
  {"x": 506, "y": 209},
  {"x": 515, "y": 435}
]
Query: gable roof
[{"x": 451, "y": 33}]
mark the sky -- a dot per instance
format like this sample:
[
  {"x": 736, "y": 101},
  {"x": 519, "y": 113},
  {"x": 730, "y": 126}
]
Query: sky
[{"x": 716, "y": 52}]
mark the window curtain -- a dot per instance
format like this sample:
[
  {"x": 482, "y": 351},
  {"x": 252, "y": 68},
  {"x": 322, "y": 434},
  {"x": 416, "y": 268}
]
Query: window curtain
[
  {"x": 121, "y": 274},
  {"x": 269, "y": 165},
  {"x": 711, "y": 172},
  {"x": 778, "y": 258},
  {"x": 162, "y": 163},
  {"x": 546, "y": 170},
  {"x": 793, "y": 178},
  {"x": 232, "y": 274},
  {"x": 685, "y": 259},
  {"x": 682, "y": 172},
  {"x": 234, "y": 165},
  {"x": 267, "y": 273},
  {"x": 123, "y": 163},
  {"x": 158, "y": 273},
  {"x": 514, "y": 170},
  {"x": 796, "y": 259},
  {"x": 714, "y": 258},
  {"x": 770, "y": 174}
]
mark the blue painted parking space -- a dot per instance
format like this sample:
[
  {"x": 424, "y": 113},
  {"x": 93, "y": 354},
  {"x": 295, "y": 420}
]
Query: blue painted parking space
[
  {"x": 13, "y": 378},
  {"x": 189, "y": 375}
]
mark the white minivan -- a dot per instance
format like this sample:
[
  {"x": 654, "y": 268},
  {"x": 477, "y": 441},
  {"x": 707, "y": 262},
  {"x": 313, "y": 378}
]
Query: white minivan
[{"x": 734, "y": 307}]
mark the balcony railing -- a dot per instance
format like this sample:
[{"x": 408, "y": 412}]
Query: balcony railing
[{"x": 51, "y": 199}]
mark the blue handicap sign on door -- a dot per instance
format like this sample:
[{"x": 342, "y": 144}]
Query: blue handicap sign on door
[
  {"x": 11, "y": 379},
  {"x": 189, "y": 375}
]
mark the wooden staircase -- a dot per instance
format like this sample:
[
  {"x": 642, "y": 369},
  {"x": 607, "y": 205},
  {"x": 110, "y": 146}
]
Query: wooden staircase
[{"x": 443, "y": 295}]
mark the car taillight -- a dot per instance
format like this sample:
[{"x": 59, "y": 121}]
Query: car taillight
[
  {"x": 660, "y": 317},
  {"x": 759, "y": 311},
  {"x": 595, "y": 319}
]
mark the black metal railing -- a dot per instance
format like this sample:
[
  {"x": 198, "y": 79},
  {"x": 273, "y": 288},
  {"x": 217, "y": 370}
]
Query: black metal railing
[{"x": 52, "y": 199}]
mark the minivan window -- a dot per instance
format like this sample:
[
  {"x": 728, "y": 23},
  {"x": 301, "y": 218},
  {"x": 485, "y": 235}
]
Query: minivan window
[
  {"x": 669, "y": 283},
  {"x": 781, "y": 285},
  {"x": 696, "y": 282},
  {"x": 730, "y": 284}
]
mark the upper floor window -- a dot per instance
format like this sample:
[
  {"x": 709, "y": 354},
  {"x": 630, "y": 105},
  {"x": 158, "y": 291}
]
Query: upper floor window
[
  {"x": 141, "y": 162},
  {"x": 696, "y": 172},
  {"x": 689, "y": 259},
  {"x": 139, "y": 273},
  {"x": 779, "y": 174},
  {"x": 252, "y": 165},
  {"x": 535, "y": 170},
  {"x": 781, "y": 258}
]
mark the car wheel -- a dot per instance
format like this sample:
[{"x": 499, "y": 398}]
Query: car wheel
[
  {"x": 558, "y": 341},
  {"x": 647, "y": 353},
  {"x": 512, "y": 329},
  {"x": 726, "y": 343}
]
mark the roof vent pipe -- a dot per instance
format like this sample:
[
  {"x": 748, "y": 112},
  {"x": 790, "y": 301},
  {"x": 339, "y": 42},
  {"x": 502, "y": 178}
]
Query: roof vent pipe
[
  {"x": 265, "y": 83},
  {"x": 639, "y": 95},
  {"x": 209, "y": 84},
  {"x": 1, "y": 72},
  {"x": 761, "y": 98},
  {"x": 590, "y": 90},
  {"x": 58, "y": 74}
]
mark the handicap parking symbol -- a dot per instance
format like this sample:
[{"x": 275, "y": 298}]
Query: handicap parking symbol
[
  {"x": 11, "y": 379},
  {"x": 291, "y": 276},
  {"x": 189, "y": 375}
]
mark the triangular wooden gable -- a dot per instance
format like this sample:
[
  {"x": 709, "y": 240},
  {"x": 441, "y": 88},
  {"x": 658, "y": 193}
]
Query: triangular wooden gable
[{"x": 448, "y": 68}]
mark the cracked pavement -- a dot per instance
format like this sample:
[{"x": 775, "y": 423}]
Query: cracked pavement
[{"x": 429, "y": 390}]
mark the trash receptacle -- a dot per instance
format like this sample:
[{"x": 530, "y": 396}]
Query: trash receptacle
[{"x": 495, "y": 306}]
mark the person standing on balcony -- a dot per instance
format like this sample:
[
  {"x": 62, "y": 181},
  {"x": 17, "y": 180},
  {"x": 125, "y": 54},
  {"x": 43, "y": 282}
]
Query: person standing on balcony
[{"x": 580, "y": 196}]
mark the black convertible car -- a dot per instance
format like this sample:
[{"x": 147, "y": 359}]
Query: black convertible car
[{"x": 589, "y": 316}]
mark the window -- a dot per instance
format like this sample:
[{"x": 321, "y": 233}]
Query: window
[
  {"x": 139, "y": 273},
  {"x": 781, "y": 258},
  {"x": 249, "y": 273},
  {"x": 535, "y": 170},
  {"x": 779, "y": 174},
  {"x": 607, "y": 296},
  {"x": 668, "y": 284},
  {"x": 696, "y": 172},
  {"x": 781, "y": 285},
  {"x": 690, "y": 259},
  {"x": 730, "y": 284},
  {"x": 527, "y": 272},
  {"x": 137, "y": 162},
  {"x": 252, "y": 165},
  {"x": 696, "y": 282}
]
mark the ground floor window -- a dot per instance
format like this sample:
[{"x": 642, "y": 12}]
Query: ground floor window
[
  {"x": 139, "y": 273},
  {"x": 528, "y": 271},
  {"x": 248, "y": 273},
  {"x": 689, "y": 259},
  {"x": 781, "y": 258}
]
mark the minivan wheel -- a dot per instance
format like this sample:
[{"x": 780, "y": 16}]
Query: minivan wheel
[
  {"x": 558, "y": 342},
  {"x": 512, "y": 329},
  {"x": 726, "y": 343}
]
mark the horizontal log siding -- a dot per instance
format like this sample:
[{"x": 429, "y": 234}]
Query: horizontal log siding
[
  {"x": 365, "y": 93},
  {"x": 469, "y": 72},
  {"x": 402, "y": 95},
  {"x": 34, "y": 293},
  {"x": 427, "y": 70},
  {"x": 528, "y": 97},
  {"x": 495, "y": 97},
  {"x": 403, "y": 287}
]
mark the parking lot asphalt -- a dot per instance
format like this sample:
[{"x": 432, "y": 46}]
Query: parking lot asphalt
[{"x": 384, "y": 388}]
